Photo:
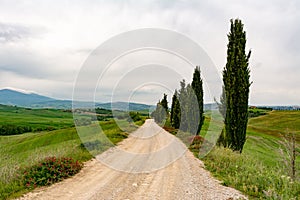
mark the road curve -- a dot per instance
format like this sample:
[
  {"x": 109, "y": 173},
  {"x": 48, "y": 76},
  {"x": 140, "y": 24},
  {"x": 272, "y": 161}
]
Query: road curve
[{"x": 149, "y": 164}]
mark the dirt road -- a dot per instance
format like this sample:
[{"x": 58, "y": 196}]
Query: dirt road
[{"x": 150, "y": 164}]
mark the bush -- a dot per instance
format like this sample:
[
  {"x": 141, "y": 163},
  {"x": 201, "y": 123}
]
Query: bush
[
  {"x": 170, "y": 129},
  {"x": 196, "y": 143},
  {"x": 50, "y": 170}
]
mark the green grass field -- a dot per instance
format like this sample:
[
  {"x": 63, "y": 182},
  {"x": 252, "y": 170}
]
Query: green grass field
[
  {"x": 19, "y": 151},
  {"x": 260, "y": 171},
  {"x": 35, "y": 118}
]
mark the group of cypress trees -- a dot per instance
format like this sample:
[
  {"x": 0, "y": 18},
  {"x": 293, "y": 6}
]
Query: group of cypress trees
[
  {"x": 187, "y": 106},
  {"x": 187, "y": 102}
]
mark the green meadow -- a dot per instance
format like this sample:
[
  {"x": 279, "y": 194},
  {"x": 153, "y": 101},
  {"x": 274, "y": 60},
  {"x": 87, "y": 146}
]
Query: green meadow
[
  {"x": 23, "y": 150},
  {"x": 262, "y": 171},
  {"x": 38, "y": 119}
]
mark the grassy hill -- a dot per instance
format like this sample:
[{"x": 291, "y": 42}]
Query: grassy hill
[
  {"x": 262, "y": 170},
  {"x": 38, "y": 119},
  {"x": 277, "y": 123}
]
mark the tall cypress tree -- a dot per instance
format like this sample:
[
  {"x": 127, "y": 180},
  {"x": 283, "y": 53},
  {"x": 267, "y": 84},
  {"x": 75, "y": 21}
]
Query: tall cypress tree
[
  {"x": 192, "y": 111},
  {"x": 197, "y": 86},
  {"x": 183, "y": 106},
  {"x": 236, "y": 77}
]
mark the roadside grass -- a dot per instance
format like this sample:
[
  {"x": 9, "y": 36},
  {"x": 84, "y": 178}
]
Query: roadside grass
[
  {"x": 20, "y": 151},
  {"x": 251, "y": 176},
  {"x": 259, "y": 172},
  {"x": 24, "y": 150}
]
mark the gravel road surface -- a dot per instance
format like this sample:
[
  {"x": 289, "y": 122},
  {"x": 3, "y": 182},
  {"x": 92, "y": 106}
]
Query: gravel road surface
[{"x": 149, "y": 164}]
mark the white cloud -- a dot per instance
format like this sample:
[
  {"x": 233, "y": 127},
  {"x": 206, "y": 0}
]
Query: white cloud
[{"x": 44, "y": 43}]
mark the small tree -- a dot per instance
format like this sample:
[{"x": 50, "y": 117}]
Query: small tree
[
  {"x": 288, "y": 153},
  {"x": 236, "y": 77}
]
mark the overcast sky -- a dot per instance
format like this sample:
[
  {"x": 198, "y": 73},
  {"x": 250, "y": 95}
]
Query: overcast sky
[{"x": 43, "y": 44}]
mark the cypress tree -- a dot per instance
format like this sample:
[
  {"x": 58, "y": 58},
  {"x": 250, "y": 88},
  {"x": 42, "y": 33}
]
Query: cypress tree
[
  {"x": 164, "y": 103},
  {"x": 192, "y": 111},
  {"x": 175, "y": 111},
  {"x": 183, "y": 106},
  {"x": 197, "y": 86},
  {"x": 236, "y": 76},
  {"x": 161, "y": 111}
]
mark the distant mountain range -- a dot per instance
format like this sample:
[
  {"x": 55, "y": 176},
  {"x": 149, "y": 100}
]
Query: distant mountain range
[
  {"x": 12, "y": 97},
  {"x": 32, "y": 100}
]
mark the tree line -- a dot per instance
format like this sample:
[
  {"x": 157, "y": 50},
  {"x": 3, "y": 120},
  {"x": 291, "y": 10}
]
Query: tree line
[
  {"x": 187, "y": 113},
  {"x": 187, "y": 110},
  {"x": 14, "y": 130}
]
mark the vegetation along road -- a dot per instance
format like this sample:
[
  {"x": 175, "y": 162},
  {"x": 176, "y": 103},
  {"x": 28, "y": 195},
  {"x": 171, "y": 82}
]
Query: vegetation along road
[{"x": 149, "y": 164}]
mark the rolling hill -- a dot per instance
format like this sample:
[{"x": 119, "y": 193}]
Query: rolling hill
[{"x": 32, "y": 100}]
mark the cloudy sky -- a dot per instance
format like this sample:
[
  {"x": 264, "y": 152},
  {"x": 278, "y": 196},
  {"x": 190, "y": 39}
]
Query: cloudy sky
[{"x": 44, "y": 44}]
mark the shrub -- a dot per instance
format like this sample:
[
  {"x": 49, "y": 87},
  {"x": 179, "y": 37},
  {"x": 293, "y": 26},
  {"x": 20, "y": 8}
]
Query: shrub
[
  {"x": 196, "y": 143},
  {"x": 50, "y": 170},
  {"x": 170, "y": 129}
]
